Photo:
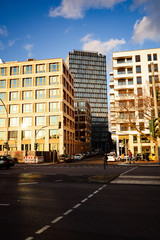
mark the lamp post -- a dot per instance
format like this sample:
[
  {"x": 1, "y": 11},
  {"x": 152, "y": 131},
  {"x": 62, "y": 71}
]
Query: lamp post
[
  {"x": 36, "y": 136},
  {"x": 7, "y": 125}
]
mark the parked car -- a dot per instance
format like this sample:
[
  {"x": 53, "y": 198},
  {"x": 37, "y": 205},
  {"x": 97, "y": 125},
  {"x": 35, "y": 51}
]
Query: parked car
[
  {"x": 112, "y": 157},
  {"x": 78, "y": 156},
  {"x": 61, "y": 158},
  {"x": 69, "y": 158},
  {"x": 6, "y": 162},
  {"x": 152, "y": 157}
]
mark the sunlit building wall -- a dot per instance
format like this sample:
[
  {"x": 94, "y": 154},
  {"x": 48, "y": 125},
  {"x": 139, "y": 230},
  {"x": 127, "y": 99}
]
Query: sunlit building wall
[{"x": 39, "y": 97}]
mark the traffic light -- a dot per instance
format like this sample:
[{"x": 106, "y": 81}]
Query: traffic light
[
  {"x": 35, "y": 146},
  {"x": 158, "y": 95},
  {"x": 154, "y": 127},
  {"x": 59, "y": 125},
  {"x": 6, "y": 145}
]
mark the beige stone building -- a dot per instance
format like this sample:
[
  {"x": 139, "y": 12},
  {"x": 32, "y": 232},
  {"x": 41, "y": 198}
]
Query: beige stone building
[
  {"x": 132, "y": 77},
  {"x": 39, "y": 99}
]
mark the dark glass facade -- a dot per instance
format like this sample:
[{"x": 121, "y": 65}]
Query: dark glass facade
[{"x": 89, "y": 72}]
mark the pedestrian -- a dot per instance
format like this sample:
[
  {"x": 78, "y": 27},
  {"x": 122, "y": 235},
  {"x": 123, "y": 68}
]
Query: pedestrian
[{"x": 130, "y": 157}]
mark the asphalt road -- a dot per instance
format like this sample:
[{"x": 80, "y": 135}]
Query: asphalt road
[{"x": 56, "y": 202}]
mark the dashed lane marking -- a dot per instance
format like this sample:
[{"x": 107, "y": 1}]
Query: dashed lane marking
[
  {"x": 28, "y": 183},
  {"x": 66, "y": 213}
]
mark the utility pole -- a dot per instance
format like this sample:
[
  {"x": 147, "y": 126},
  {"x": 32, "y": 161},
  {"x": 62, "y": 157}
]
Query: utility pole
[{"x": 155, "y": 106}]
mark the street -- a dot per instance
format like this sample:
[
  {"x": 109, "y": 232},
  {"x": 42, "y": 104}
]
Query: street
[{"x": 59, "y": 202}]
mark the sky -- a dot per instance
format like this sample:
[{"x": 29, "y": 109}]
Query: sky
[{"x": 44, "y": 29}]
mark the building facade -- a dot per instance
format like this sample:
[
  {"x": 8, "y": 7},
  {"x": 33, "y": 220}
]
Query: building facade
[
  {"x": 131, "y": 99},
  {"x": 83, "y": 125},
  {"x": 89, "y": 72},
  {"x": 39, "y": 100}
]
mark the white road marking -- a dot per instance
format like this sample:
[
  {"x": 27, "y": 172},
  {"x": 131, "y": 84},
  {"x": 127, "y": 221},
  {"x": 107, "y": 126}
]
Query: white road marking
[
  {"x": 69, "y": 211},
  {"x": 78, "y": 205},
  {"x": 27, "y": 183},
  {"x": 58, "y": 180},
  {"x": 57, "y": 219},
  {"x": 29, "y": 238},
  {"x": 84, "y": 200},
  {"x": 96, "y": 192},
  {"x": 128, "y": 171},
  {"x": 91, "y": 195},
  {"x": 42, "y": 229},
  {"x": 4, "y": 204}
]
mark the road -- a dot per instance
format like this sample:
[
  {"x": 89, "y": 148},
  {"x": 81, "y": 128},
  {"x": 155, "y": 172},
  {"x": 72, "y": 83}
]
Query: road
[{"x": 58, "y": 202}]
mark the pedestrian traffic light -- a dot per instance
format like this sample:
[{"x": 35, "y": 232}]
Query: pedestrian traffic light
[
  {"x": 156, "y": 126},
  {"x": 35, "y": 146},
  {"x": 6, "y": 145}
]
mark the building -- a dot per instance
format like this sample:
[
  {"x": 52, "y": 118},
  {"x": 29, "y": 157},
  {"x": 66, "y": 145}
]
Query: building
[
  {"x": 131, "y": 99},
  {"x": 83, "y": 125},
  {"x": 39, "y": 100},
  {"x": 89, "y": 72}
]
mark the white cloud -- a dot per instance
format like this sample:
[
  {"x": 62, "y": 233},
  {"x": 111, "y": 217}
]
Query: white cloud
[
  {"x": 12, "y": 42},
  {"x": 75, "y": 9},
  {"x": 1, "y": 46},
  {"x": 91, "y": 44},
  {"x": 148, "y": 26},
  {"x": 3, "y": 31},
  {"x": 28, "y": 47}
]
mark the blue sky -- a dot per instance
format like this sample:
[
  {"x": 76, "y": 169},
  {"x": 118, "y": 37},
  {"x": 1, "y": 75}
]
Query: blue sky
[{"x": 43, "y": 29}]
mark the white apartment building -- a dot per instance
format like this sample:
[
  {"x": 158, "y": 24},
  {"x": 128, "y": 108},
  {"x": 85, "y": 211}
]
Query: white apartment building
[{"x": 131, "y": 86}]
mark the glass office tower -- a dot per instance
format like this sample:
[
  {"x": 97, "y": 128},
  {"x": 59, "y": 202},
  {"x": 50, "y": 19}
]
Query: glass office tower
[{"x": 89, "y": 72}]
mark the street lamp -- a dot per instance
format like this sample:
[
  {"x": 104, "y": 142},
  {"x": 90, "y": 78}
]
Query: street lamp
[{"x": 7, "y": 125}]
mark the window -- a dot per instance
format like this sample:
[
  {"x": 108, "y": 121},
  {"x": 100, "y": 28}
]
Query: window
[
  {"x": 155, "y": 57},
  {"x": 40, "y": 134},
  {"x": 14, "y": 70},
  {"x": 54, "y": 106},
  {"x": 40, "y": 68},
  {"x": 120, "y": 60},
  {"x": 3, "y": 96},
  {"x": 40, "y": 107},
  {"x": 40, "y": 81},
  {"x": 53, "y": 93},
  {"x": 40, "y": 94},
  {"x": 2, "y": 109},
  {"x": 140, "y": 103},
  {"x": 129, "y": 70},
  {"x": 138, "y": 69},
  {"x": 14, "y": 122},
  {"x": 27, "y": 69},
  {"x": 54, "y": 80},
  {"x": 2, "y": 83},
  {"x": 14, "y": 96},
  {"x": 134, "y": 138},
  {"x": 53, "y": 67},
  {"x": 14, "y": 83},
  {"x": 27, "y": 95},
  {"x": 130, "y": 81},
  {"x": 149, "y": 57},
  {"x": 27, "y": 108},
  {"x": 27, "y": 121},
  {"x": 3, "y": 71},
  {"x": 14, "y": 108},
  {"x": 53, "y": 133},
  {"x": 40, "y": 121},
  {"x": 141, "y": 115},
  {"x": 2, "y": 122},
  {"x": 156, "y": 67},
  {"x": 53, "y": 120},
  {"x": 26, "y": 135},
  {"x": 139, "y": 91},
  {"x": 27, "y": 82},
  {"x": 139, "y": 80},
  {"x": 2, "y": 135},
  {"x": 121, "y": 82},
  {"x": 141, "y": 126},
  {"x": 138, "y": 58},
  {"x": 13, "y": 135},
  {"x": 121, "y": 71}
]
